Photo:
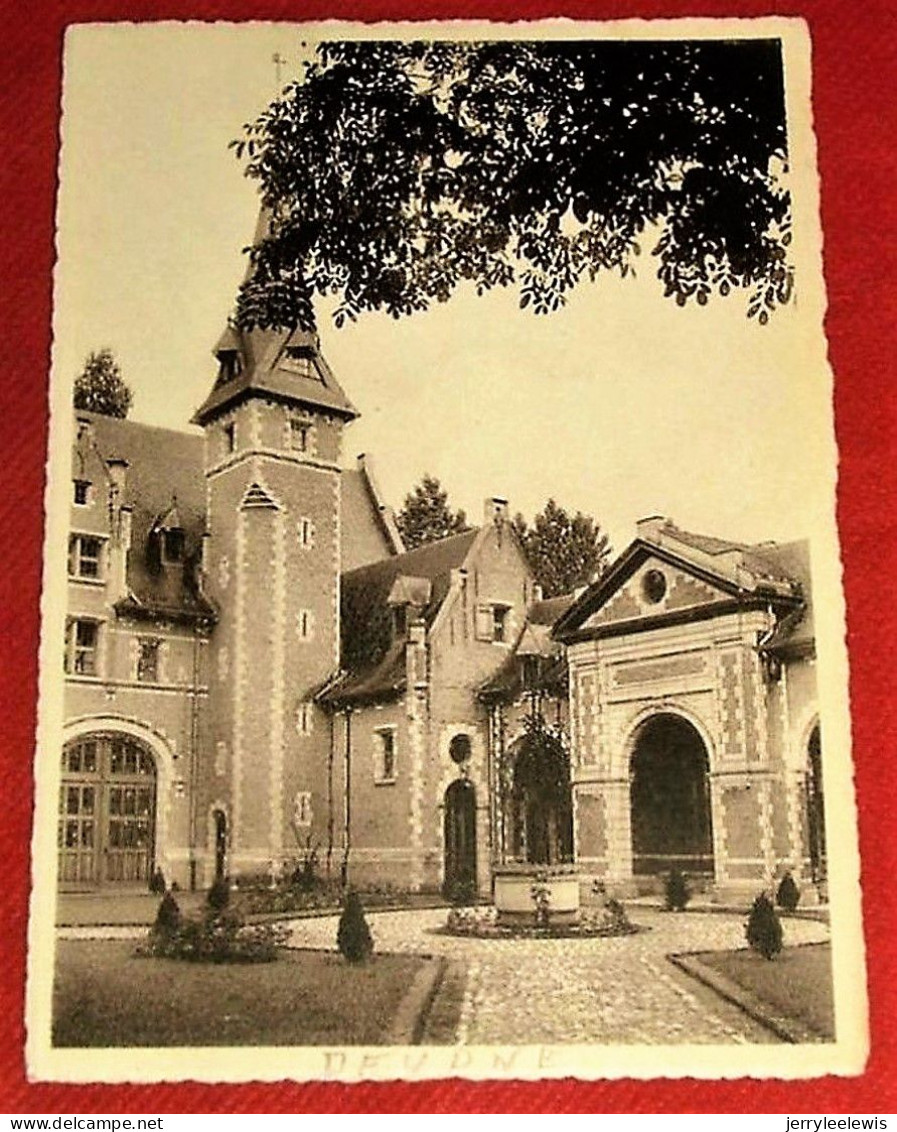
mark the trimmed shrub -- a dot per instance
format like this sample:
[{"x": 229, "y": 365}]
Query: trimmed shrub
[
  {"x": 763, "y": 928},
  {"x": 157, "y": 882},
  {"x": 677, "y": 891},
  {"x": 787, "y": 894},
  {"x": 216, "y": 937},
  {"x": 353, "y": 937},
  {"x": 167, "y": 924},
  {"x": 218, "y": 896}
]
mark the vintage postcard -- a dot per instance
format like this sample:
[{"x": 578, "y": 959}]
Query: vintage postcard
[{"x": 443, "y": 667}]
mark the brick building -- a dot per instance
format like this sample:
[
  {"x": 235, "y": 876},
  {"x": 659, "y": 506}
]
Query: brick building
[{"x": 254, "y": 667}]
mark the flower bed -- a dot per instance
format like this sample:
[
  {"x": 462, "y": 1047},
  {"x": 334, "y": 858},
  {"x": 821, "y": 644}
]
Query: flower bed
[{"x": 486, "y": 923}]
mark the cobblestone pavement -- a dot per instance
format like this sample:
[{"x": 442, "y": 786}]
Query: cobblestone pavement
[{"x": 621, "y": 990}]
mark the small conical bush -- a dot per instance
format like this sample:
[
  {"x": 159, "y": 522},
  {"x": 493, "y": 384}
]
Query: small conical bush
[
  {"x": 763, "y": 928},
  {"x": 677, "y": 891},
  {"x": 353, "y": 937},
  {"x": 787, "y": 894},
  {"x": 168, "y": 921}
]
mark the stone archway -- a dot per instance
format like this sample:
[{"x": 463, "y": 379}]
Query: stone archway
[
  {"x": 670, "y": 812},
  {"x": 539, "y": 804}
]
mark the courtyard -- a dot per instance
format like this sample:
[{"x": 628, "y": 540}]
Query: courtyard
[{"x": 621, "y": 990}]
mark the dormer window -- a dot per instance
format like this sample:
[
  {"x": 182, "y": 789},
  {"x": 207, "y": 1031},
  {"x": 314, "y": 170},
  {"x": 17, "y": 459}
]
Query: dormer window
[
  {"x": 300, "y": 360},
  {"x": 531, "y": 671},
  {"x": 81, "y": 493},
  {"x": 173, "y": 544},
  {"x": 229, "y": 365}
]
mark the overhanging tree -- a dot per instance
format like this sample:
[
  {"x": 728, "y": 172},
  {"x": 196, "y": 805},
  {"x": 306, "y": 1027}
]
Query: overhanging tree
[
  {"x": 564, "y": 551},
  {"x": 393, "y": 172},
  {"x": 426, "y": 515},
  {"x": 99, "y": 388}
]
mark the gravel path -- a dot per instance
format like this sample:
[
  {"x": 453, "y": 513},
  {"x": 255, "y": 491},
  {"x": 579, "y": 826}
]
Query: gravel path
[{"x": 604, "y": 991}]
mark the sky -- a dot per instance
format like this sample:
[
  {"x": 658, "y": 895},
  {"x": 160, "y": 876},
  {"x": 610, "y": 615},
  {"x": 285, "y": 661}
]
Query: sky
[{"x": 622, "y": 405}]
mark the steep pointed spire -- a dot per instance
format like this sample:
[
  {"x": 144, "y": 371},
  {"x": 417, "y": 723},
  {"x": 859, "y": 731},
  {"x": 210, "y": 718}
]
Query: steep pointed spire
[{"x": 285, "y": 365}]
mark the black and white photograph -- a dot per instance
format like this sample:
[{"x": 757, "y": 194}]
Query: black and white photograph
[{"x": 442, "y": 665}]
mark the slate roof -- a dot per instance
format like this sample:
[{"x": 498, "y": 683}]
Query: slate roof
[
  {"x": 164, "y": 477},
  {"x": 372, "y": 663},
  {"x": 795, "y": 631},
  {"x": 760, "y": 559}
]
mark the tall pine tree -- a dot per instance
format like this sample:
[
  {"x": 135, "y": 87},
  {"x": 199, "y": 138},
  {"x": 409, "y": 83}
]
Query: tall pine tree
[
  {"x": 426, "y": 515},
  {"x": 99, "y": 388},
  {"x": 563, "y": 551}
]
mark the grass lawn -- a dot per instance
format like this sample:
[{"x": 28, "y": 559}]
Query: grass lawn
[
  {"x": 797, "y": 983},
  {"x": 104, "y": 995}
]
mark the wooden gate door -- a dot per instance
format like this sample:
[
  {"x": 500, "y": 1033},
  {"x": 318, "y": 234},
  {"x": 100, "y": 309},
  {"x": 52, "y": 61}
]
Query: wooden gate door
[
  {"x": 107, "y": 812},
  {"x": 460, "y": 839}
]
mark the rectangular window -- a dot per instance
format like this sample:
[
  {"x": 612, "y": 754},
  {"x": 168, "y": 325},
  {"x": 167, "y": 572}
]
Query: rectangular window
[
  {"x": 385, "y": 755},
  {"x": 82, "y": 493},
  {"x": 148, "y": 660},
  {"x": 304, "y": 624},
  {"x": 173, "y": 544},
  {"x": 82, "y": 639},
  {"x": 305, "y": 530},
  {"x": 85, "y": 556},
  {"x": 493, "y": 622},
  {"x": 302, "y": 808},
  {"x": 230, "y": 438},
  {"x": 300, "y": 435},
  {"x": 304, "y": 718}
]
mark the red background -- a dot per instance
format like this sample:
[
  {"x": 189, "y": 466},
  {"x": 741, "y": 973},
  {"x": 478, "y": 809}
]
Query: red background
[{"x": 855, "y": 81}]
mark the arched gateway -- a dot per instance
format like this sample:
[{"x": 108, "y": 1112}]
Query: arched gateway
[
  {"x": 670, "y": 798},
  {"x": 107, "y": 811}
]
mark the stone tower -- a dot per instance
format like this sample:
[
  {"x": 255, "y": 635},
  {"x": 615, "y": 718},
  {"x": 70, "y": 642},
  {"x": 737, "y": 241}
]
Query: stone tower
[{"x": 273, "y": 428}]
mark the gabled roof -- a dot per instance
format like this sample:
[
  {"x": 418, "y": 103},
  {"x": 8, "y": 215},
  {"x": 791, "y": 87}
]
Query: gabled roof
[
  {"x": 743, "y": 573},
  {"x": 162, "y": 466},
  {"x": 267, "y": 370},
  {"x": 534, "y": 640},
  {"x": 373, "y": 664}
]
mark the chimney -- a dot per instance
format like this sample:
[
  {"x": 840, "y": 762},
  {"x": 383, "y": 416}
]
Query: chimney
[
  {"x": 650, "y": 528},
  {"x": 117, "y": 469},
  {"x": 495, "y": 510}
]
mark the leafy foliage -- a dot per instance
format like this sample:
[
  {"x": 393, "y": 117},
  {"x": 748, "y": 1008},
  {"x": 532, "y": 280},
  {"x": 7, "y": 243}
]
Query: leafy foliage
[
  {"x": 677, "y": 891},
  {"x": 157, "y": 882},
  {"x": 788, "y": 894},
  {"x": 563, "y": 551},
  {"x": 353, "y": 936},
  {"x": 218, "y": 936},
  {"x": 99, "y": 388},
  {"x": 394, "y": 172},
  {"x": 764, "y": 929},
  {"x": 426, "y": 515}
]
